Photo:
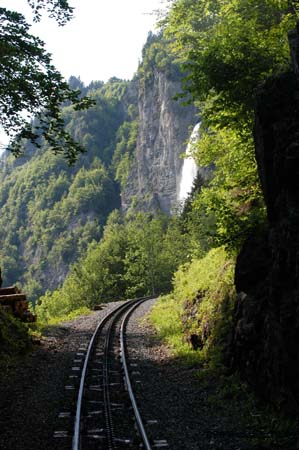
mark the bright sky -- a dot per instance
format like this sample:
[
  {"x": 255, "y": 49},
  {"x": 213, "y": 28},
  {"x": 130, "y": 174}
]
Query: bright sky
[{"x": 104, "y": 39}]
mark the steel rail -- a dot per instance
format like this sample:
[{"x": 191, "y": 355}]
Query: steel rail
[
  {"x": 127, "y": 377},
  {"x": 76, "y": 436},
  {"x": 77, "y": 423},
  {"x": 108, "y": 413},
  {"x": 106, "y": 393}
]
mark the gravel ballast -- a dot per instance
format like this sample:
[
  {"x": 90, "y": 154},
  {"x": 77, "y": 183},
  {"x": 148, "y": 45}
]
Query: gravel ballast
[
  {"x": 33, "y": 394},
  {"x": 173, "y": 398},
  {"x": 191, "y": 410},
  {"x": 176, "y": 405}
]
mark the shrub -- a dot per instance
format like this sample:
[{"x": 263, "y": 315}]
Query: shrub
[{"x": 199, "y": 310}]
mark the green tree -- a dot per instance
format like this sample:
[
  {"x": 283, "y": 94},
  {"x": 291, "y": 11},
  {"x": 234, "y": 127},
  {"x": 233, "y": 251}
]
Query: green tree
[
  {"x": 93, "y": 279},
  {"x": 124, "y": 152},
  {"x": 60, "y": 10},
  {"x": 149, "y": 263},
  {"x": 230, "y": 204},
  {"x": 135, "y": 257},
  {"x": 31, "y": 86},
  {"x": 49, "y": 211},
  {"x": 228, "y": 48}
]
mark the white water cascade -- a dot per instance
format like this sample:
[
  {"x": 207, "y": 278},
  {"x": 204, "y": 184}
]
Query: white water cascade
[{"x": 190, "y": 169}]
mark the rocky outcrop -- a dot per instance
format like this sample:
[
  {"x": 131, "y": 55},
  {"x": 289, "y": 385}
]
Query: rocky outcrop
[
  {"x": 165, "y": 126},
  {"x": 266, "y": 322}
]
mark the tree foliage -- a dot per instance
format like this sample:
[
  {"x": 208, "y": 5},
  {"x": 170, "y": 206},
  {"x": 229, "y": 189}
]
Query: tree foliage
[
  {"x": 124, "y": 151},
  {"x": 135, "y": 257},
  {"x": 228, "y": 48},
  {"x": 51, "y": 212},
  {"x": 156, "y": 56},
  {"x": 60, "y": 10},
  {"x": 230, "y": 206},
  {"x": 31, "y": 87}
]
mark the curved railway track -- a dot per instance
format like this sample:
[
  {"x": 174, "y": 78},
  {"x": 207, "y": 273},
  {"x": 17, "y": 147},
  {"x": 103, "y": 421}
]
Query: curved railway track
[{"x": 107, "y": 415}]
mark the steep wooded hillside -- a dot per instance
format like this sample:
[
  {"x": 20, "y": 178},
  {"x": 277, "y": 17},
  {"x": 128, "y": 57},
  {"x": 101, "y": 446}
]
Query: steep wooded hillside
[{"x": 51, "y": 212}]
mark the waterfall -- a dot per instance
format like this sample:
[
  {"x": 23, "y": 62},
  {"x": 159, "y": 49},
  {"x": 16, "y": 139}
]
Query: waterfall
[{"x": 190, "y": 169}]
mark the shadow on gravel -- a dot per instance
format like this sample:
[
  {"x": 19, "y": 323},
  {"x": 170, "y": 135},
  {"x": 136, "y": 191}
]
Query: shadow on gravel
[
  {"x": 33, "y": 392},
  {"x": 190, "y": 409},
  {"x": 196, "y": 410}
]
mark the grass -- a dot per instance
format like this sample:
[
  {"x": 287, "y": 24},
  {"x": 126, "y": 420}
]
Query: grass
[
  {"x": 200, "y": 305},
  {"x": 165, "y": 316},
  {"x": 53, "y": 321}
]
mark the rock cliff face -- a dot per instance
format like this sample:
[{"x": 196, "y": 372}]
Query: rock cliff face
[
  {"x": 165, "y": 126},
  {"x": 266, "y": 328}
]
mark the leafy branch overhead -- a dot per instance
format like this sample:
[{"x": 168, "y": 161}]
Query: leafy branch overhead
[
  {"x": 30, "y": 86},
  {"x": 57, "y": 9},
  {"x": 229, "y": 48}
]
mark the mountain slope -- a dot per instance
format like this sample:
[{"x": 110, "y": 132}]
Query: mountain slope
[
  {"x": 50, "y": 211},
  {"x": 134, "y": 136}
]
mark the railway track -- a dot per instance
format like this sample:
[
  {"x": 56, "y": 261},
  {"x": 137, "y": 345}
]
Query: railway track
[{"x": 107, "y": 416}]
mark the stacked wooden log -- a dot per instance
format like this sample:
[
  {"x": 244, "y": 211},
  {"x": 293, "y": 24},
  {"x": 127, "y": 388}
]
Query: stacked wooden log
[{"x": 13, "y": 301}]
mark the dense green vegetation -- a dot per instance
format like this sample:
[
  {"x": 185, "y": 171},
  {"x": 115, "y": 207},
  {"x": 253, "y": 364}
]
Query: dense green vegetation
[
  {"x": 135, "y": 257},
  {"x": 229, "y": 49},
  {"x": 156, "y": 56},
  {"x": 124, "y": 150},
  {"x": 50, "y": 212},
  {"x": 197, "y": 313}
]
